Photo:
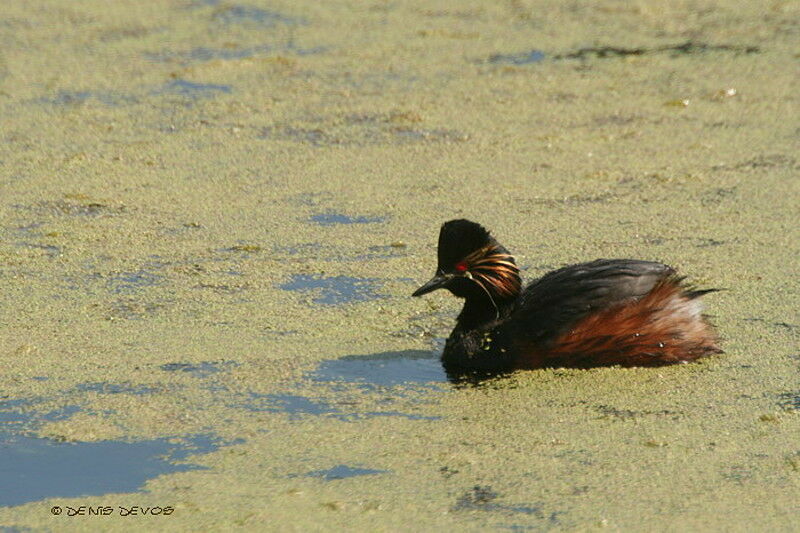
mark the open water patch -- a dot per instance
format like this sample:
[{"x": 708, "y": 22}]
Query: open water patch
[
  {"x": 239, "y": 14},
  {"x": 35, "y": 468},
  {"x": 291, "y": 404},
  {"x": 386, "y": 369},
  {"x": 332, "y": 218}
]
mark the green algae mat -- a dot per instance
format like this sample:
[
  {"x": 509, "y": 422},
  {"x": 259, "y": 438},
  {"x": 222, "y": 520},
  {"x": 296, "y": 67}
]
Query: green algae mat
[{"x": 213, "y": 214}]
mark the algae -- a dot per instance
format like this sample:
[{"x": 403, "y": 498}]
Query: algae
[{"x": 170, "y": 168}]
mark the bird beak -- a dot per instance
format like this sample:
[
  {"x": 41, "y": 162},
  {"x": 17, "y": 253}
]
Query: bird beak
[{"x": 437, "y": 282}]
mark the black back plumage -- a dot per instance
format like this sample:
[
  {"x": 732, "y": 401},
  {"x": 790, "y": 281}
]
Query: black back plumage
[{"x": 550, "y": 305}]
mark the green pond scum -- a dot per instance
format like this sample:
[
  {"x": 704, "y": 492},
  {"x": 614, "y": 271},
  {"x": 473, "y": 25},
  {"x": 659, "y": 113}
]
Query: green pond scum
[{"x": 213, "y": 214}]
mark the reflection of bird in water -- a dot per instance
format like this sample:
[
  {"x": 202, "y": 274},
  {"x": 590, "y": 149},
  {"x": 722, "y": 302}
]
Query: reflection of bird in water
[{"x": 607, "y": 312}]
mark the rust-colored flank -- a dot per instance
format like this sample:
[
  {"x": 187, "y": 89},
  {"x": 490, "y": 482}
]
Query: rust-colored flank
[{"x": 663, "y": 327}]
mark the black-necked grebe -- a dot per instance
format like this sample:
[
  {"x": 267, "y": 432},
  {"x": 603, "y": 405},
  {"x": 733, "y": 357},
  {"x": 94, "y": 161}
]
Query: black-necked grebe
[{"x": 607, "y": 312}]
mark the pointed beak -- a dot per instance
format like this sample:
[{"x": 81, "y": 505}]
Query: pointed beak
[{"x": 437, "y": 282}]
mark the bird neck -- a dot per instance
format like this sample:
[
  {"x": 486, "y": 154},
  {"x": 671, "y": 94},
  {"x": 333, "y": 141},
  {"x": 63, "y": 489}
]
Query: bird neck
[{"x": 480, "y": 310}]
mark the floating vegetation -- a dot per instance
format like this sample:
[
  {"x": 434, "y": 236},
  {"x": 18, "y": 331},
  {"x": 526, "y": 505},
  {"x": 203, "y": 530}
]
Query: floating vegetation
[
  {"x": 687, "y": 48},
  {"x": 192, "y": 89},
  {"x": 379, "y": 252},
  {"x": 295, "y": 406},
  {"x": 74, "y": 205},
  {"x": 790, "y": 401},
  {"x": 334, "y": 290},
  {"x": 103, "y": 387},
  {"x": 362, "y": 129},
  {"x": 47, "y": 249},
  {"x": 199, "y": 370},
  {"x": 724, "y": 94},
  {"x": 609, "y": 52},
  {"x": 762, "y": 162},
  {"x": 202, "y": 53},
  {"x": 66, "y": 97},
  {"x": 430, "y": 135},
  {"x": 342, "y": 472},
  {"x": 480, "y": 498},
  {"x": 129, "y": 308},
  {"x": 291, "y": 404},
  {"x": 249, "y": 248},
  {"x": 574, "y": 200},
  {"x": 132, "y": 281},
  {"x": 678, "y": 103}
]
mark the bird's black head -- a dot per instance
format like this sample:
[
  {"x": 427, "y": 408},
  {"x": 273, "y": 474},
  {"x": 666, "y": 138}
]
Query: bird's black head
[
  {"x": 458, "y": 239},
  {"x": 472, "y": 262}
]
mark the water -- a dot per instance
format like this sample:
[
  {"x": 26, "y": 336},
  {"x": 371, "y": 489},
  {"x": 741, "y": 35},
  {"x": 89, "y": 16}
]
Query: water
[
  {"x": 394, "y": 369},
  {"x": 386, "y": 369},
  {"x": 34, "y": 468},
  {"x": 238, "y": 14},
  {"x": 332, "y": 218}
]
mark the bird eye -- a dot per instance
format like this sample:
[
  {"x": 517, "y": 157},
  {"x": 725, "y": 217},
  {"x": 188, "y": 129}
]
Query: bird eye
[{"x": 461, "y": 266}]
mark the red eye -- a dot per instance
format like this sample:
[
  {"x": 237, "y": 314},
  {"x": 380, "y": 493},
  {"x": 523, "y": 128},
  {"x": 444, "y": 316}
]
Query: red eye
[{"x": 461, "y": 267}]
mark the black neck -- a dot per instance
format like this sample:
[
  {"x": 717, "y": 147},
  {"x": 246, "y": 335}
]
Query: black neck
[{"x": 479, "y": 310}]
